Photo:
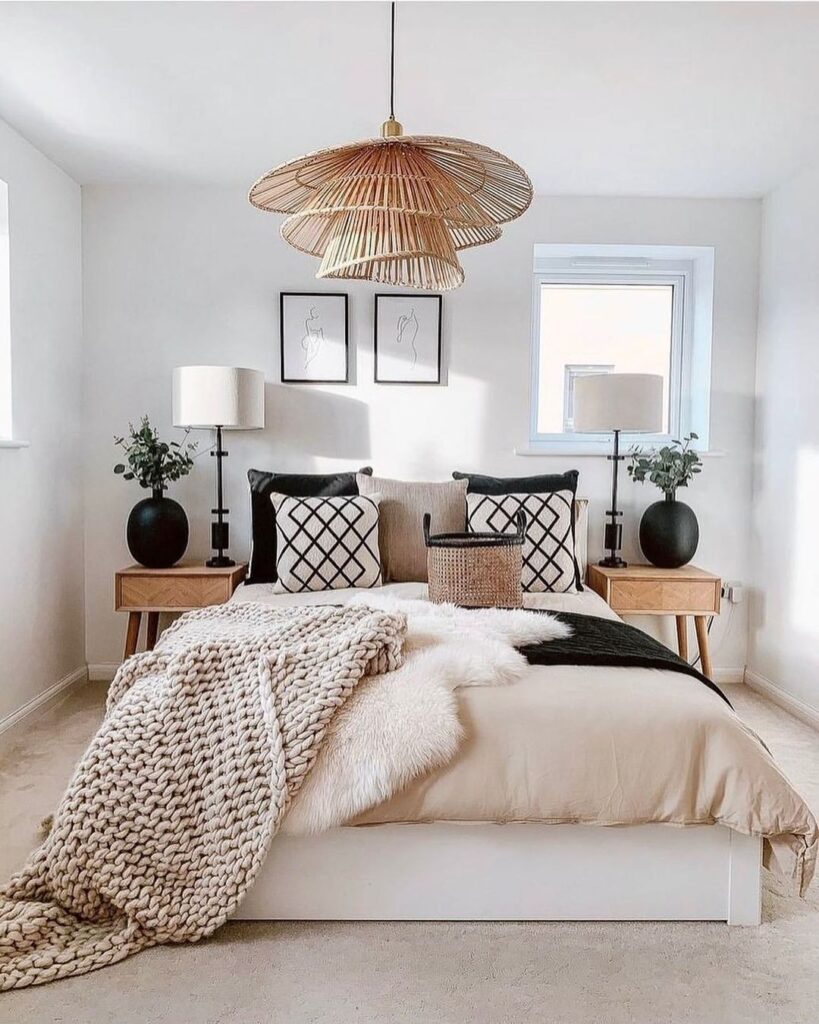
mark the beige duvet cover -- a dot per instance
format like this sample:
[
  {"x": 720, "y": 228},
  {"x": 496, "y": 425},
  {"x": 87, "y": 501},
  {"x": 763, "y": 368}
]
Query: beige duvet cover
[{"x": 602, "y": 746}]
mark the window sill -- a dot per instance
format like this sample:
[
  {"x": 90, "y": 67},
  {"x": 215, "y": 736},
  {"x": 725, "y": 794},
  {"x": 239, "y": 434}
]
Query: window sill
[
  {"x": 9, "y": 443},
  {"x": 550, "y": 450}
]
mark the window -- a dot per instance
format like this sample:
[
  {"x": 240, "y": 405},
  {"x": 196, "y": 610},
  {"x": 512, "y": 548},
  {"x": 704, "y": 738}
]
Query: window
[
  {"x": 620, "y": 309},
  {"x": 5, "y": 317}
]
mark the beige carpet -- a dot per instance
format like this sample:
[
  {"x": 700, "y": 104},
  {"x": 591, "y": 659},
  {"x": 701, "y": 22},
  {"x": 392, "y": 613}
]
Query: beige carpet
[{"x": 442, "y": 973}]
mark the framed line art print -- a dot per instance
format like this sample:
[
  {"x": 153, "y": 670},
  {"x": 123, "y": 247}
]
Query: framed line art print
[
  {"x": 314, "y": 338},
  {"x": 407, "y": 339}
]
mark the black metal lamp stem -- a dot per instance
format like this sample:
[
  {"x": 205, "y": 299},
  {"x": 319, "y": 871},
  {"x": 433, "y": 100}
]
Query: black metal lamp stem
[
  {"x": 614, "y": 529},
  {"x": 219, "y": 531}
]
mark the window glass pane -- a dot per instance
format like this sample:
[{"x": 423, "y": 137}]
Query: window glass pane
[{"x": 600, "y": 328}]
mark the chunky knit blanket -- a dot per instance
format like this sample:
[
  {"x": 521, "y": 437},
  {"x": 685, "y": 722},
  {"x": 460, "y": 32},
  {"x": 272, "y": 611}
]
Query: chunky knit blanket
[{"x": 172, "y": 808}]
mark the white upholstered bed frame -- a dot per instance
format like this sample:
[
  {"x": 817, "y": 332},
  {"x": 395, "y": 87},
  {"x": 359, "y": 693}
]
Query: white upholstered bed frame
[
  {"x": 511, "y": 872},
  {"x": 515, "y": 872}
]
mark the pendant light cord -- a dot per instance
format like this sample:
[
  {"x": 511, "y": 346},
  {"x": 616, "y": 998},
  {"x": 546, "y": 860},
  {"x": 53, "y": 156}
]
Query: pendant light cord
[{"x": 392, "y": 60}]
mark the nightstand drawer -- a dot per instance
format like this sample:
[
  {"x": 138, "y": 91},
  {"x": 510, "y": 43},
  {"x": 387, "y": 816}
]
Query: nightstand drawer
[
  {"x": 657, "y": 597},
  {"x": 170, "y": 592}
]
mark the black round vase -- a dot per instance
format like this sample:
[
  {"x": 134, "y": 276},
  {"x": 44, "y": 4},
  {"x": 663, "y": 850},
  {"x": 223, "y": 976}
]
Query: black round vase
[
  {"x": 157, "y": 531},
  {"x": 669, "y": 533}
]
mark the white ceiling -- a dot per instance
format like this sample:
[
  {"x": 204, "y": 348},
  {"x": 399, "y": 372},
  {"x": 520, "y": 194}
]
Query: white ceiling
[{"x": 708, "y": 99}]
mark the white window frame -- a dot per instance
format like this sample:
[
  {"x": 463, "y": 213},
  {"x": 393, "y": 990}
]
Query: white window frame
[{"x": 690, "y": 271}]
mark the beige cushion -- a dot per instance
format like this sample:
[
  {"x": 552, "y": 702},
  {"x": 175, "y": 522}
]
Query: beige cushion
[{"x": 402, "y": 508}]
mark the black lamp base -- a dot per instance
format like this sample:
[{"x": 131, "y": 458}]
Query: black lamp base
[
  {"x": 219, "y": 562},
  {"x": 613, "y": 562}
]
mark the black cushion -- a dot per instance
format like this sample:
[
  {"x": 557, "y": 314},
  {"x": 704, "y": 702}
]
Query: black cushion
[
  {"x": 543, "y": 484},
  {"x": 263, "y": 515}
]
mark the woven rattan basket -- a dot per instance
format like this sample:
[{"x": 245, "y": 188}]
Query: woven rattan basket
[{"x": 475, "y": 570}]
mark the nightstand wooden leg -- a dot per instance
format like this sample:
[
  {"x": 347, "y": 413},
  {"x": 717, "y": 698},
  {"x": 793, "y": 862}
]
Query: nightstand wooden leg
[
  {"x": 153, "y": 629},
  {"x": 132, "y": 636},
  {"x": 701, "y": 625},
  {"x": 682, "y": 636}
]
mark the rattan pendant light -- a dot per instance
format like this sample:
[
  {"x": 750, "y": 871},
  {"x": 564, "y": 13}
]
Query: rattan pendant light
[{"x": 395, "y": 209}]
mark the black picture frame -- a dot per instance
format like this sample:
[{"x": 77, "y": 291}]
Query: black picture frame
[
  {"x": 438, "y": 300},
  {"x": 285, "y": 378}
]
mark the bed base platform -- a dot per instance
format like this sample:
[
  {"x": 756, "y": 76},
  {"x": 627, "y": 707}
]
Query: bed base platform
[{"x": 514, "y": 872}]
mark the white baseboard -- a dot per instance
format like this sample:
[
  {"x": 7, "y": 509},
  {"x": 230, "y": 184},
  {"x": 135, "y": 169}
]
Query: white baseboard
[
  {"x": 798, "y": 708},
  {"x": 46, "y": 697},
  {"x": 729, "y": 675},
  {"x": 103, "y": 671}
]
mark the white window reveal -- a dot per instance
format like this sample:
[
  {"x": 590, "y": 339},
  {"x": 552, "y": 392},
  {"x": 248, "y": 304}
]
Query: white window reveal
[
  {"x": 620, "y": 309},
  {"x": 5, "y": 317}
]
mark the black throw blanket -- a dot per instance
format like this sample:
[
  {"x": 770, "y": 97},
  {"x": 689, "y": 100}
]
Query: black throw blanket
[{"x": 596, "y": 641}]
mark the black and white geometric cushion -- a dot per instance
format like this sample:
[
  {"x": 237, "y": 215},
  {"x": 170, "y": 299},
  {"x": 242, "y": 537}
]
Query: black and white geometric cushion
[
  {"x": 326, "y": 543},
  {"x": 548, "y": 550}
]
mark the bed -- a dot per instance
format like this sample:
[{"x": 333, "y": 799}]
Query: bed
[{"x": 579, "y": 794}]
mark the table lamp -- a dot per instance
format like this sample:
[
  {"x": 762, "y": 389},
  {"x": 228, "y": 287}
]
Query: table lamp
[
  {"x": 631, "y": 403},
  {"x": 224, "y": 398}
]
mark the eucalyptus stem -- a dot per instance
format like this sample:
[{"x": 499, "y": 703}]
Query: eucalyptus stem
[
  {"x": 153, "y": 463},
  {"x": 668, "y": 467}
]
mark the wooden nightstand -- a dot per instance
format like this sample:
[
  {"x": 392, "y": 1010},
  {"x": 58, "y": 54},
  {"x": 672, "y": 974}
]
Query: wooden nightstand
[
  {"x": 647, "y": 590},
  {"x": 178, "y": 589}
]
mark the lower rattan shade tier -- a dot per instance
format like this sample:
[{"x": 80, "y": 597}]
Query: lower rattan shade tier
[
  {"x": 388, "y": 246},
  {"x": 424, "y": 273}
]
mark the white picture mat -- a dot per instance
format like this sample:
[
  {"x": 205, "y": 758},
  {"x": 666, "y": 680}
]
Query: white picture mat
[
  {"x": 314, "y": 337},
  {"x": 407, "y": 338}
]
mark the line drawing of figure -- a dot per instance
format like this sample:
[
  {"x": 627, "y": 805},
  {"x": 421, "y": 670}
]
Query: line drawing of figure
[
  {"x": 313, "y": 337},
  {"x": 406, "y": 330}
]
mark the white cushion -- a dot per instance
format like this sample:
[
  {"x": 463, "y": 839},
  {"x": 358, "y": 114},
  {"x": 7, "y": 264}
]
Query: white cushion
[
  {"x": 549, "y": 563},
  {"x": 326, "y": 543}
]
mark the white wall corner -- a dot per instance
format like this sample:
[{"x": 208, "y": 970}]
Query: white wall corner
[
  {"x": 49, "y": 696},
  {"x": 729, "y": 675},
  {"x": 102, "y": 672},
  {"x": 793, "y": 705}
]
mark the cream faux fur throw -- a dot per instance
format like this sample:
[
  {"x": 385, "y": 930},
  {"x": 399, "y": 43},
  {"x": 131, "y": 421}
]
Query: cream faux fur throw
[
  {"x": 404, "y": 724},
  {"x": 172, "y": 808}
]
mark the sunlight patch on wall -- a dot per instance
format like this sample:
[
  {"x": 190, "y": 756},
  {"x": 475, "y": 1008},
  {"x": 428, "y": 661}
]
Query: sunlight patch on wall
[
  {"x": 5, "y": 315},
  {"x": 424, "y": 432},
  {"x": 805, "y": 589}
]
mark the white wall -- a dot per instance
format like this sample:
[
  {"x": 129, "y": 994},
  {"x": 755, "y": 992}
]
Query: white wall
[
  {"x": 174, "y": 276},
  {"x": 41, "y": 513},
  {"x": 784, "y": 647}
]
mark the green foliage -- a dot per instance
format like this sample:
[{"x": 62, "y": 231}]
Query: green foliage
[
  {"x": 153, "y": 462},
  {"x": 669, "y": 467}
]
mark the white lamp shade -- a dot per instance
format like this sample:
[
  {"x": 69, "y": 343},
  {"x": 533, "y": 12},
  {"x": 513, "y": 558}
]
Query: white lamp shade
[
  {"x": 631, "y": 402},
  {"x": 218, "y": 396}
]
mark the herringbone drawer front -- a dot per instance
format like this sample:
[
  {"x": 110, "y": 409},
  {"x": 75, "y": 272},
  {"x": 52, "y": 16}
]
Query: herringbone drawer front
[
  {"x": 177, "y": 589},
  {"x": 691, "y": 596},
  {"x": 177, "y": 592}
]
